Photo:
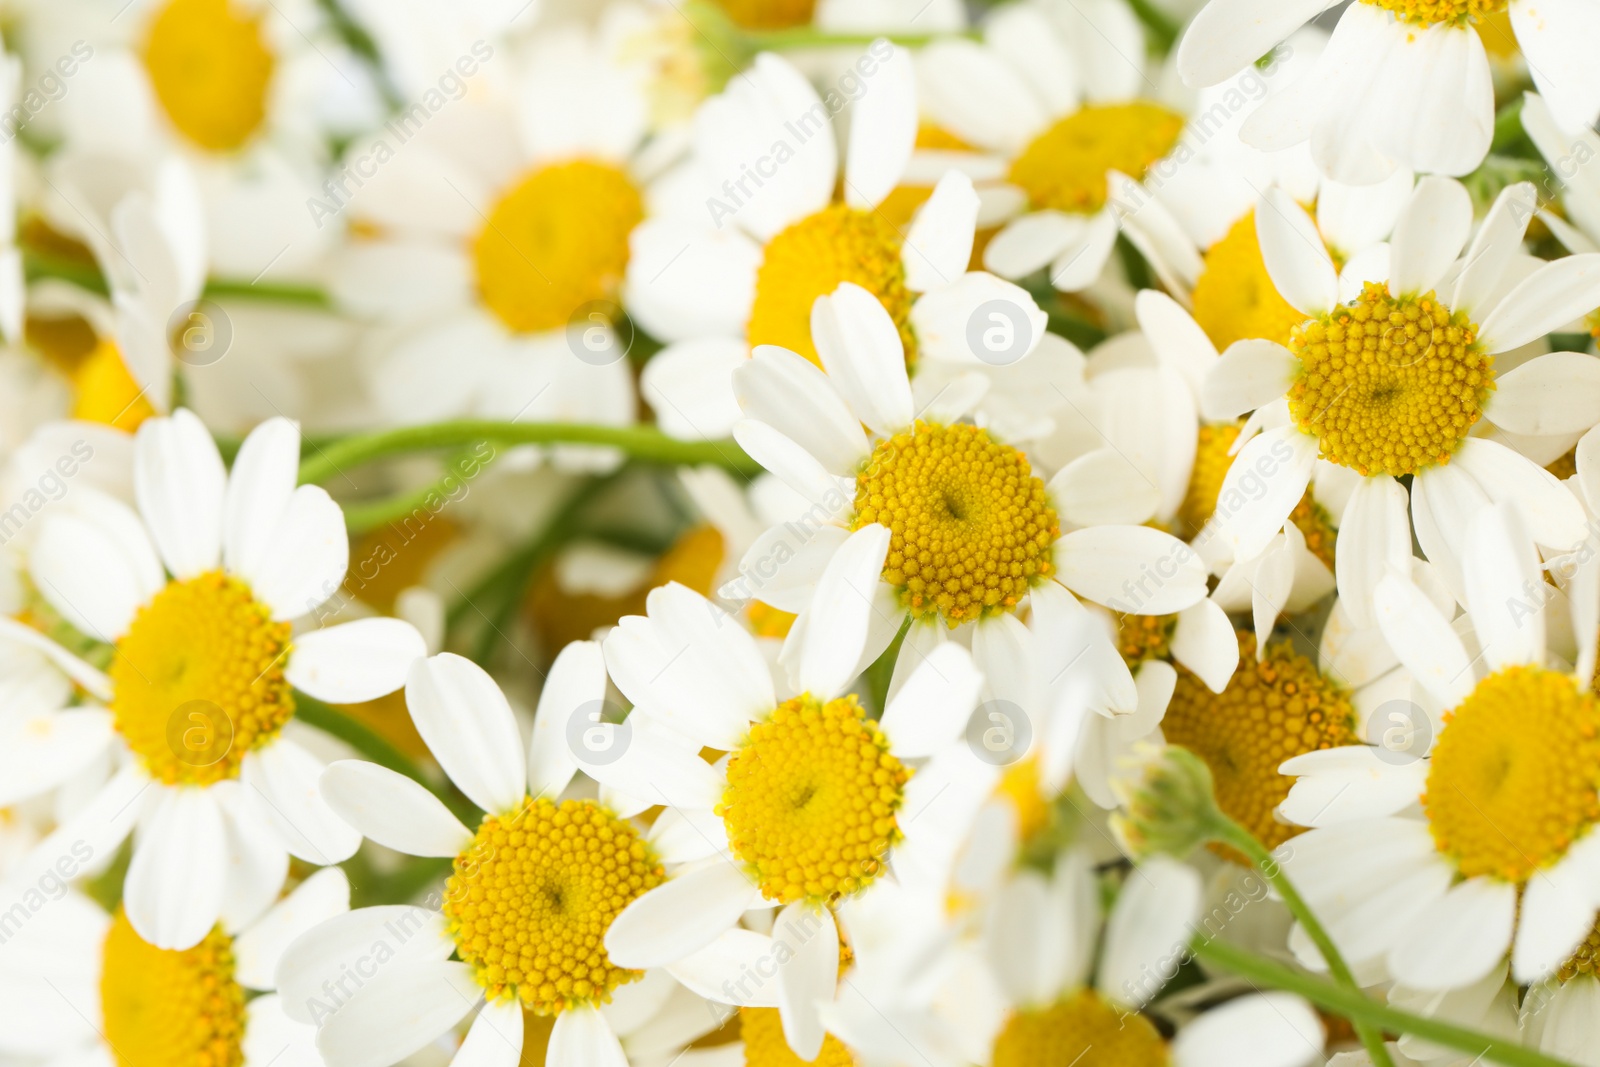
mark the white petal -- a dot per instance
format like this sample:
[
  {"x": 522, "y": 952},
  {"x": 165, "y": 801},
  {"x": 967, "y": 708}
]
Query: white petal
[
  {"x": 86, "y": 575},
  {"x": 1262, "y": 1030},
  {"x": 1229, "y": 35},
  {"x": 864, "y": 356},
  {"x": 790, "y": 394},
  {"x": 398, "y": 1013},
  {"x": 1029, "y": 242},
  {"x": 1490, "y": 253},
  {"x": 1552, "y": 514},
  {"x": 582, "y": 1036},
  {"x": 178, "y": 480},
  {"x": 1423, "y": 640},
  {"x": 807, "y": 976},
  {"x": 495, "y": 1037},
  {"x": 1103, "y": 488},
  {"x": 1429, "y": 234},
  {"x": 1296, "y": 259},
  {"x": 306, "y": 556},
  {"x": 576, "y": 685},
  {"x": 730, "y": 677},
  {"x": 1557, "y": 913},
  {"x": 258, "y": 950},
  {"x": 263, "y": 477},
  {"x": 1546, "y": 300},
  {"x": 933, "y": 706},
  {"x": 1556, "y": 393},
  {"x": 468, "y": 726},
  {"x": 1250, "y": 374},
  {"x": 1154, "y": 912},
  {"x": 938, "y": 246},
  {"x": 354, "y": 661},
  {"x": 1551, "y": 35},
  {"x": 373, "y": 940},
  {"x": 392, "y": 810},
  {"x": 976, "y": 320},
  {"x": 1133, "y": 569},
  {"x": 681, "y": 916},
  {"x": 1264, "y": 483},
  {"x": 1500, "y": 572},
  {"x": 1379, "y": 534},
  {"x": 1459, "y": 939},
  {"x": 39, "y": 751},
  {"x": 258, "y": 864},
  {"x": 883, "y": 130},
  {"x": 1351, "y": 782},
  {"x": 1205, "y": 643},
  {"x": 839, "y": 616},
  {"x": 796, "y": 467},
  {"x": 174, "y": 885},
  {"x": 726, "y": 970},
  {"x": 284, "y": 779}
]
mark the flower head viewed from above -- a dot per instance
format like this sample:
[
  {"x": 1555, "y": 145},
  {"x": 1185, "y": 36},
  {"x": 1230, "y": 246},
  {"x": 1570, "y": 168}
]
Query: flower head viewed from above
[{"x": 764, "y": 533}]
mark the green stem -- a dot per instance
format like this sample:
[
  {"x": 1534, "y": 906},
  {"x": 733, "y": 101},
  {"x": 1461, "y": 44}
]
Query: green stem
[
  {"x": 643, "y": 443},
  {"x": 1364, "y": 1011},
  {"x": 1164, "y": 30},
  {"x": 38, "y": 265},
  {"x": 358, "y": 735},
  {"x": 1231, "y": 833},
  {"x": 362, "y": 518},
  {"x": 806, "y": 37}
]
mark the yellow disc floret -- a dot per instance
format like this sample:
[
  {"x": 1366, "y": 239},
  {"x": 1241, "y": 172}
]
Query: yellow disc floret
[
  {"x": 1316, "y": 526},
  {"x": 1585, "y": 961},
  {"x": 1144, "y": 637},
  {"x": 765, "y": 1045},
  {"x": 556, "y": 241},
  {"x": 161, "y": 1008},
  {"x": 1211, "y": 462},
  {"x": 1065, "y": 167},
  {"x": 1389, "y": 385},
  {"x": 812, "y": 258},
  {"x": 1234, "y": 297},
  {"x": 971, "y": 525},
  {"x": 211, "y": 67},
  {"x": 1437, "y": 12},
  {"x": 1083, "y": 1030},
  {"x": 105, "y": 392},
  {"x": 811, "y": 800},
  {"x": 198, "y": 679},
  {"x": 1271, "y": 711},
  {"x": 533, "y": 895},
  {"x": 1513, "y": 777}
]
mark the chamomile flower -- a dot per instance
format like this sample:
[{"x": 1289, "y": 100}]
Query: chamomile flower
[
  {"x": 1401, "y": 83},
  {"x": 1484, "y": 845},
  {"x": 1393, "y": 382},
  {"x": 533, "y": 888},
  {"x": 130, "y": 1003},
  {"x": 193, "y": 598},
  {"x": 490, "y": 240},
  {"x": 751, "y": 233},
  {"x": 808, "y": 808}
]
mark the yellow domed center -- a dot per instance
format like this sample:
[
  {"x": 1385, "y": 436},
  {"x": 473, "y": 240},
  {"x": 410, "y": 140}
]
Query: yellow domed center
[
  {"x": 1271, "y": 711},
  {"x": 1389, "y": 385},
  {"x": 533, "y": 895},
  {"x": 1513, "y": 778},
  {"x": 1316, "y": 526},
  {"x": 971, "y": 525},
  {"x": 1234, "y": 297},
  {"x": 812, "y": 258},
  {"x": 1144, "y": 637},
  {"x": 1082, "y": 1030},
  {"x": 198, "y": 680},
  {"x": 557, "y": 240},
  {"x": 765, "y": 1046},
  {"x": 105, "y": 392},
  {"x": 161, "y": 1008},
  {"x": 1065, "y": 167},
  {"x": 811, "y": 800},
  {"x": 1446, "y": 12},
  {"x": 768, "y": 14},
  {"x": 211, "y": 68}
]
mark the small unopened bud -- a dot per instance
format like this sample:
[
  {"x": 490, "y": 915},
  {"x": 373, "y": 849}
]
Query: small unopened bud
[{"x": 1166, "y": 804}]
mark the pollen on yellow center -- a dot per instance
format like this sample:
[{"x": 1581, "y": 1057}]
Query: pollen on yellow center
[
  {"x": 971, "y": 525},
  {"x": 105, "y": 392},
  {"x": 812, "y": 258},
  {"x": 765, "y": 1046},
  {"x": 532, "y": 896},
  {"x": 557, "y": 240},
  {"x": 1513, "y": 777},
  {"x": 1234, "y": 297},
  {"x": 161, "y": 1008},
  {"x": 198, "y": 679},
  {"x": 1083, "y": 1030},
  {"x": 1447, "y": 12},
  {"x": 811, "y": 800},
  {"x": 1065, "y": 167},
  {"x": 1271, "y": 711},
  {"x": 1389, "y": 385},
  {"x": 211, "y": 67}
]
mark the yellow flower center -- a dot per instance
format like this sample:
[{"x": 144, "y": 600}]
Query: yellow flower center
[
  {"x": 1448, "y": 12},
  {"x": 1565, "y": 465},
  {"x": 198, "y": 680},
  {"x": 1316, "y": 526},
  {"x": 812, "y": 258},
  {"x": 765, "y": 1045},
  {"x": 1513, "y": 778},
  {"x": 211, "y": 68},
  {"x": 1584, "y": 961},
  {"x": 1021, "y": 785},
  {"x": 768, "y": 14},
  {"x": 1144, "y": 637},
  {"x": 1083, "y": 1030},
  {"x": 556, "y": 241},
  {"x": 1064, "y": 168},
  {"x": 1389, "y": 385},
  {"x": 1234, "y": 297},
  {"x": 1271, "y": 711},
  {"x": 105, "y": 392},
  {"x": 971, "y": 525},
  {"x": 811, "y": 800},
  {"x": 533, "y": 895},
  {"x": 161, "y": 1007}
]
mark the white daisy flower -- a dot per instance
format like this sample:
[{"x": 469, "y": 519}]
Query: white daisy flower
[
  {"x": 502, "y": 236},
  {"x": 1406, "y": 400},
  {"x": 750, "y": 234},
  {"x": 93, "y": 991},
  {"x": 1500, "y": 852},
  {"x": 1401, "y": 83},
  {"x": 735, "y": 835},
  {"x": 532, "y": 889},
  {"x": 197, "y": 593}
]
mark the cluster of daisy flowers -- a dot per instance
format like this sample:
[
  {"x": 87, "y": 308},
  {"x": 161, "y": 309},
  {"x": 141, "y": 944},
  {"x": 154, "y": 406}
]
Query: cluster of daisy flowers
[{"x": 757, "y": 533}]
